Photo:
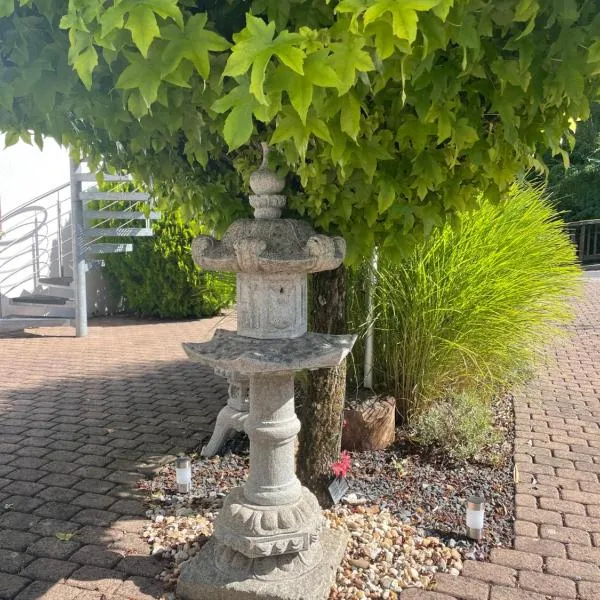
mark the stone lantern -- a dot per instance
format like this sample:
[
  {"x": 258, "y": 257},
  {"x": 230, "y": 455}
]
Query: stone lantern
[{"x": 269, "y": 539}]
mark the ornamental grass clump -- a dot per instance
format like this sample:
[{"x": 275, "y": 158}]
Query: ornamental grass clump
[{"x": 470, "y": 307}]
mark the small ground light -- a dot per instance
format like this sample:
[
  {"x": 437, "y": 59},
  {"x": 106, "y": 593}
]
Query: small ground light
[
  {"x": 183, "y": 470},
  {"x": 475, "y": 512}
]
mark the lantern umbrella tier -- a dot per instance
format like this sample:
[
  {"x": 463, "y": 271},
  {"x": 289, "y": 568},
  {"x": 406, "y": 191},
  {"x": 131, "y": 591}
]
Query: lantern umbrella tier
[{"x": 250, "y": 356}]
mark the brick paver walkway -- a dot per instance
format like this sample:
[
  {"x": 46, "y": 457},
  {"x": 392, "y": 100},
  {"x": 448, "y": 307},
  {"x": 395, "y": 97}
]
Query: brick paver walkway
[
  {"x": 81, "y": 420},
  {"x": 557, "y": 455}
]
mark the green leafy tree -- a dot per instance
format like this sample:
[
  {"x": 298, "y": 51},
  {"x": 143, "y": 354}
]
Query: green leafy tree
[
  {"x": 390, "y": 115},
  {"x": 575, "y": 189}
]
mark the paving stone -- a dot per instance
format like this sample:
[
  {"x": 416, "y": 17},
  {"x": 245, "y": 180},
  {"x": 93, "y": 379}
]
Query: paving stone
[
  {"x": 567, "y": 535},
  {"x": 131, "y": 544},
  {"x": 28, "y": 462},
  {"x": 46, "y": 590},
  {"x": 489, "y": 572},
  {"x": 11, "y": 539},
  {"x": 59, "y": 494},
  {"x": 516, "y": 559},
  {"x": 52, "y": 547},
  {"x": 547, "y": 584},
  {"x": 59, "y": 480},
  {"x": 63, "y": 456},
  {"x": 142, "y": 588},
  {"x": 90, "y": 472},
  {"x": 129, "y": 507},
  {"x": 125, "y": 477},
  {"x": 573, "y": 569},
  {"x": 146, "y": 566},
  {"x": 32, "y": 451},
  {"x": 540, "y": 547},
  {"x": 65, "y": 445},
  {"x": 463, "y": 587},
  {"x": 10, "y": 585},
  {"x": 59, "y": 466},
  {"x": 98, "y": 535},
  {"x": 505, "y": 593},
  {"x": 93, "y": 516},
  {"x": 96, "y": 486},
  {"x": 17, "y": 520},
  {"x": 57, "y": 510},
  {"x": 587, "y": 590},
  {"x": 98, "y": 556},
  {"x": 13, "y": 562},
  {"x": 22, "y": 488},
  {"x": 103, "y": 580},
  {"x": 22, "y": 503},
  {"x": 48, "y": 569},
  {"x": 93, "y": 460},
  {"x": 50, "y": 527},
  {"x": 26, "y": 474},
  {"x": 90, "y": 500}
]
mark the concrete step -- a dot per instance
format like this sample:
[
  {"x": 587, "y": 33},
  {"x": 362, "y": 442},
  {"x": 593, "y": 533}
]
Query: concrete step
[
  {"x": 19, "y": 323},
  {"x": 95, "y": 249},
  {"x": 105, "y": 176},
  {"x": 121, "y": 214},
  {"x": 39, "y": 299},
  {"x": 118, "y": 232},
  {"x": 58, "y": 281},
  {"x": 113, "y": 196}
]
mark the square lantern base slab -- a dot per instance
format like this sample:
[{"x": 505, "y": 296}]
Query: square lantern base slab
[{"x": 200, "y": 580}]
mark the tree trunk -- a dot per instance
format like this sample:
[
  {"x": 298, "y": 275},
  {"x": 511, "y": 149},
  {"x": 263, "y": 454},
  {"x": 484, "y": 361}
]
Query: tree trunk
[{"x": 322, "y": 411}]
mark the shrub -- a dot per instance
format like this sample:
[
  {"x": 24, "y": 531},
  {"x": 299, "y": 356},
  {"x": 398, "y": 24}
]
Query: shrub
[
  {"x": 160, "y": 279},
  {"x": 459, "y": 425},
  {"x": 470, "y": 307}
]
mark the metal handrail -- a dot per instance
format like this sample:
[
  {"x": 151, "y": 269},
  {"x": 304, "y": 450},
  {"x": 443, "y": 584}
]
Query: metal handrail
[{"x": 34, "y": 200}]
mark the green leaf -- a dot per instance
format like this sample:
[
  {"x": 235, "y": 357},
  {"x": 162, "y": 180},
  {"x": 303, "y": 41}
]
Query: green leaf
[
  {"x": 318, "y": 72},
  {"x": 63, "y": 537},
  {"x": 349, "y": 58},
  {"x": 443, "y": 9},
  {"x": 193, "y": 44},
  {"x": 386, "y": 196},
  {"x": 165, "y": 9},
  {"x": 141, "y": 22},
  {"x": 238, "y": 126},
  {"x": 255, "y": 46},
  {"x": 85, "y": 63},
  {"x": 300, "y": 94},
  {"x": 350, "y": 115},
  {"x": 319, "y": 128},
  {"x": 11, "y": 138},
  {"x": 464, "y": 135},
  {"x": 7, "y": 8},
  {"x": 142, "y": 74},
  {"x": 404, "y": 15},
  {"x": 136, "y": 105},
  {"x": 112, "y": 18}
]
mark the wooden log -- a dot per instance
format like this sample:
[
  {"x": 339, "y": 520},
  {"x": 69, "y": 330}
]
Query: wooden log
[{"x": 370, "y": 427}]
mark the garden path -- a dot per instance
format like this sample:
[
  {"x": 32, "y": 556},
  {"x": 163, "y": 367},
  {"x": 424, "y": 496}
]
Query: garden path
[
  {"x": 557, "y": 458},
  {"x": 81, "y": 421}
]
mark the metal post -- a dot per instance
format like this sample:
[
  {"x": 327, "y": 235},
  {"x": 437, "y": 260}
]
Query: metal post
[
  {"x": 79, "y": 266},
  {"x": 61, "y": 269},
  {"x": 368, "y": 366},
  {"x": 36, "y": 252},
  {"x": 582, "y": 244}
]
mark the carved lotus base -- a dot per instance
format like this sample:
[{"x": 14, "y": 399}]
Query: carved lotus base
[
  {"x": 256, "y": 531},
  {"x": 267, "y": 568}
]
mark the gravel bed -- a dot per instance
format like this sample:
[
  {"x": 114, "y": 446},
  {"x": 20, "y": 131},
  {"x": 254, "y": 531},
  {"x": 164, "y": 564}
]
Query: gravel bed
[{"x": 404, "y": 512}]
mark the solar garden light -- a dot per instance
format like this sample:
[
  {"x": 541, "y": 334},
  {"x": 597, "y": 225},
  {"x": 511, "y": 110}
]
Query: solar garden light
[
  {"x": 475, "y": 510},
  {"x": 183, "y": 470}
]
